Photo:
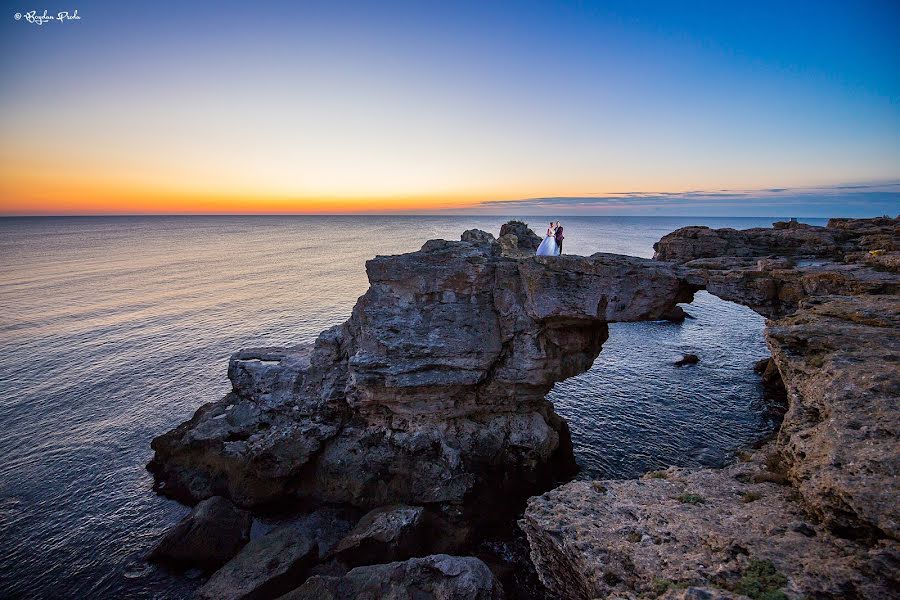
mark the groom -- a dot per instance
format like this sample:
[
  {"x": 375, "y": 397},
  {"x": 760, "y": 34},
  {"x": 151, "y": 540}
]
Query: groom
[{"x": 559, "y": 236}]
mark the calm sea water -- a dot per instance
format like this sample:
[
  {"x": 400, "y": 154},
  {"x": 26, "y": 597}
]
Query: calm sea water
[{"x": 114, "y": 330}]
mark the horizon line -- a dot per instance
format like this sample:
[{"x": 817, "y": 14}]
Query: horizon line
[{"x": 409, "y": 214}]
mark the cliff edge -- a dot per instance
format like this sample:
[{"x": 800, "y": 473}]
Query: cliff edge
[{"x": 812, "y": 514}]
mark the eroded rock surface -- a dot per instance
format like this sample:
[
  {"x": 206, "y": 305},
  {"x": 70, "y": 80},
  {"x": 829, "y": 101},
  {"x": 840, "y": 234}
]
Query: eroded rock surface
[
  {"x": 432, "y": 393},
  {"x": 815, "y": 514},
  {"x": 437, "y": 577},
  {"x": 703, "y": 528},
  {"x": 517, "y": 239}
]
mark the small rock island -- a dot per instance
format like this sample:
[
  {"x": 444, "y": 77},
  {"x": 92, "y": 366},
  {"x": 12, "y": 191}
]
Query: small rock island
[{"x": 404, "y": 434}]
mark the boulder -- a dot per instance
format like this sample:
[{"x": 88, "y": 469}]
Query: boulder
[
  {"x": 481, "y": 238},
  {"x": 386, "y": 534},
  {"x": 687, "y": 359},
  {"x": 517, "y": 239},
  {"x": 211, "y": 534},
  {"x": 266, "y": 568},
  {"x": 437, "y": 577}
]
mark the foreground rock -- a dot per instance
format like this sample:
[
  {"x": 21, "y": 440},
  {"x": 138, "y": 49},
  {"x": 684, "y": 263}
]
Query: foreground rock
[
  {"x": 815, "y": 513},
  {"x": 438, "y": 577},
  {"x": 265, "y": 568},
  {"x": 211, "y": 534},
  {"x": 715, "y": 529},
  {"x": 385, "y": 534},
  {"x": 432, "y": 393},
  {"x": 279, "y": 561}
]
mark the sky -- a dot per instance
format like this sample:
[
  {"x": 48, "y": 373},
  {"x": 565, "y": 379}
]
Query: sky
[{"x": 607, "y": 108}]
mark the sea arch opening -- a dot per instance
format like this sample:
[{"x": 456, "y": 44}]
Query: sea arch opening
[{"x": 636, "y": 411}]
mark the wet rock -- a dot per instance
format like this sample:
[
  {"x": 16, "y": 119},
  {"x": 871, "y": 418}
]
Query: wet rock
[
  {"x": 687, "y": 359},
  {"x": 266, "y": 568},
  {"x": 438, "y": 577},
  {"x": 211, "y": 534},
  {"x": 386, "y": 534}
]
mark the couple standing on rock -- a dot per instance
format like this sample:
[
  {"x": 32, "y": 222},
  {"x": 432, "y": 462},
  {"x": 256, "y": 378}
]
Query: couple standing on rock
[{"x": 552, "y": 244}]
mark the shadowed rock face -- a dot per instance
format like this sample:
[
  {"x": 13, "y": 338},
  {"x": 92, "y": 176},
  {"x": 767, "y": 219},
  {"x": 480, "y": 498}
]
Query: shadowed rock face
[
  {"x": 211, "y": 534},
  {"x": 438, "y": 577},
  {"x": 432, "y": 393},
  {"x": 815, "y": 513}
]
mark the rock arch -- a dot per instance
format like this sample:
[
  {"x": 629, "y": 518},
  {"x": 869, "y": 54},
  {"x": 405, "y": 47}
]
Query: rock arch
[{"x": 432, "y": 393}]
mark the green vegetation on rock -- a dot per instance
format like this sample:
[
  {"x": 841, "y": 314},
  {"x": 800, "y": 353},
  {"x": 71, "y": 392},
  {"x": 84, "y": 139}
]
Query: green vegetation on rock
[
  {"x": 762, "y": 581},
  {"x": 688, "y": 498}
]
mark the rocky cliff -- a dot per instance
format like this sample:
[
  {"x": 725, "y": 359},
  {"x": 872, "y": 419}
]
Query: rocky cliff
[
  {"x": 812, "y": 514},
  {"x": 430, "y": 395}
]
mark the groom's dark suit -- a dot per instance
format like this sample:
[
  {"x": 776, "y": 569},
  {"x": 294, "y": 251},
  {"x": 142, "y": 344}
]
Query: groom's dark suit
[{"x": 559, "y": 237}]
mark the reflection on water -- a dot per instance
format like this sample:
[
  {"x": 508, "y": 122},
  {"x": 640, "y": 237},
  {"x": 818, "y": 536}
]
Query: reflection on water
[{"x": 113, "y": 330}]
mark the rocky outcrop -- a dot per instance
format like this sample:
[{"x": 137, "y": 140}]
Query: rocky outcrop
[
  {"x": 211, "y": 534},
  {"x": 774, "y": 270},
  {"x": 835, "y": 342},
  {"x": 517, "y": 239},
  {"x": 431, "y": 394},
  {"x": 814, "y": 514},
  {"x": 437, "y": 577}
]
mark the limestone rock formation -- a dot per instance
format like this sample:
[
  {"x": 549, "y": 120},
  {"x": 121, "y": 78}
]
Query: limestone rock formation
[
  {"x": 211, "y": 534},
  {"x": 436, "y": 577},
  {"x": 432, "y": 393},
  {"x": 704, "y": 528},
  {"x": 815, "y": 514},
  {"x": 517, "y": 239}
]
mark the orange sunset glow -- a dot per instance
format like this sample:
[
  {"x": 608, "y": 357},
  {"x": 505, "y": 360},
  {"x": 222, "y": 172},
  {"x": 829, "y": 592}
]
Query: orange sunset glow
[{"x": 368, "y": 114}]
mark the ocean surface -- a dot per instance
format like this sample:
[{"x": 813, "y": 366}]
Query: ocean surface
[{"x": 114, "y": 330}]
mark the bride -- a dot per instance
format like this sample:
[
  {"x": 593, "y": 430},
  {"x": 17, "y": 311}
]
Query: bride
[{"x": 548, "y": 246}]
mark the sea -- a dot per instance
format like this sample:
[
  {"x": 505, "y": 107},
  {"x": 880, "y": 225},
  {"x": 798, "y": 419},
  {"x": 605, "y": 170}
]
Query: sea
[{"x": 115, "y": 329}]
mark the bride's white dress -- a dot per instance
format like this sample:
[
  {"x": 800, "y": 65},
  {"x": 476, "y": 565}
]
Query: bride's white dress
[{"x": 548, "y": 247}]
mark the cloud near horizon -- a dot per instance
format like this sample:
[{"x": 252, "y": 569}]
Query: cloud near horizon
[{"x": 844, "y": 200}]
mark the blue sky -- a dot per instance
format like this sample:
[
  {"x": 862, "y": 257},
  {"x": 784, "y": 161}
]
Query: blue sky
[{"x": 432, "y": 106}]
